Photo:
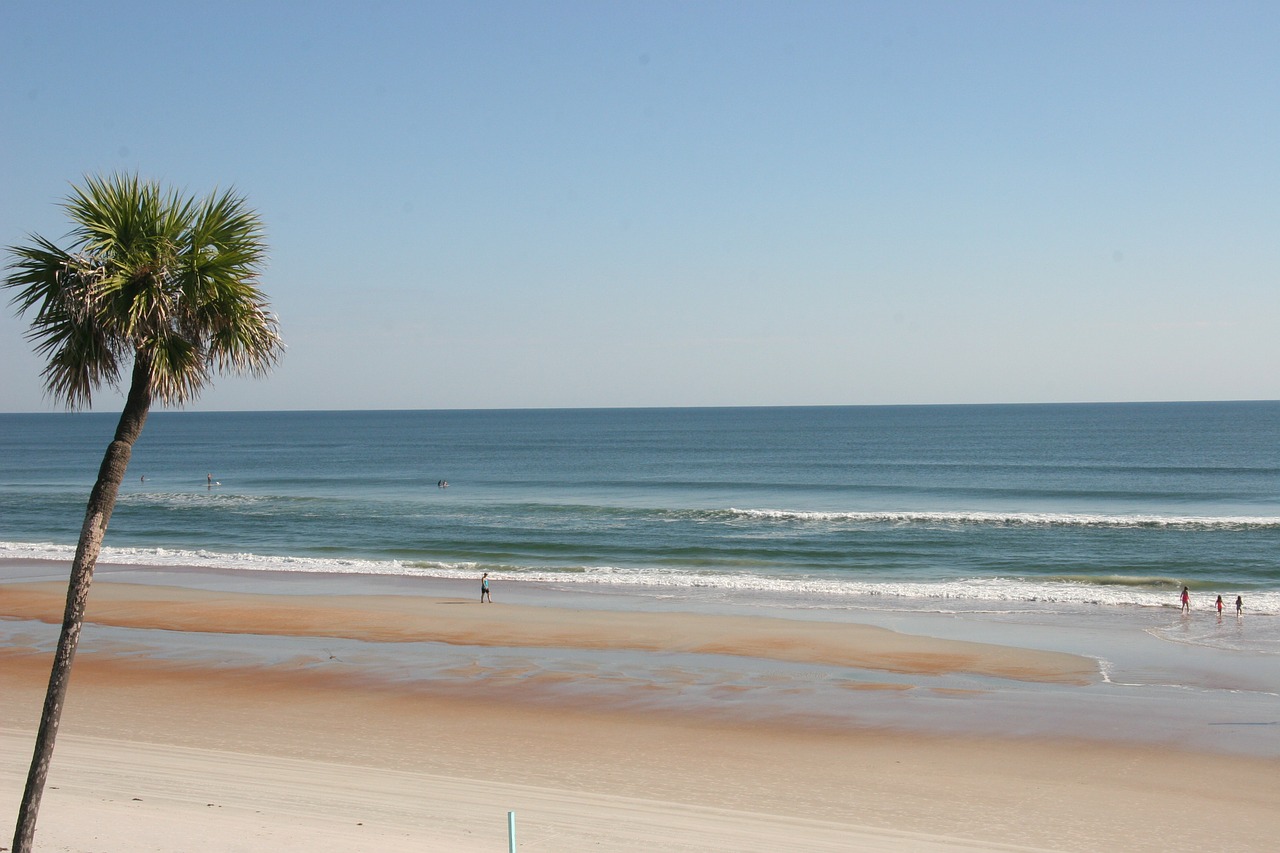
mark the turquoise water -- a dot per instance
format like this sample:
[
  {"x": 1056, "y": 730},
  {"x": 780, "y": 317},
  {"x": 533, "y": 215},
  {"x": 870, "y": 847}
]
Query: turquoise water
[{"x": 1113, "y": 505}]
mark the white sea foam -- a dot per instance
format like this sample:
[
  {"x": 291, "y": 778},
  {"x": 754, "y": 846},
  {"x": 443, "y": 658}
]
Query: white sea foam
[
  {"x": 200, "y": 497},
  {"x": 967, "y": 594},
  {"x": 1019, "y": 519}
]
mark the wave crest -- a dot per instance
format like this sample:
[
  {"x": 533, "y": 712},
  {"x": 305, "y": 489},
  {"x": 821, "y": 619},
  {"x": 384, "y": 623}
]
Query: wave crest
[{"x": 1016, "y": 519}]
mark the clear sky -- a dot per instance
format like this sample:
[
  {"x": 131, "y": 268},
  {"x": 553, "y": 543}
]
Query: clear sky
[{"x": 514, "y": 204}]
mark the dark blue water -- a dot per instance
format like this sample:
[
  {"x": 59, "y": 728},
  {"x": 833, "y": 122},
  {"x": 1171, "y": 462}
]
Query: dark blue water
[{"x": 1101, "y": 505}]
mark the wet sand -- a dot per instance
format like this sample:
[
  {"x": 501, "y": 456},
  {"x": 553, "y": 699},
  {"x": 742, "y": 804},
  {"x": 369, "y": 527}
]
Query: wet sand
[{"x": 393, "y": 619}]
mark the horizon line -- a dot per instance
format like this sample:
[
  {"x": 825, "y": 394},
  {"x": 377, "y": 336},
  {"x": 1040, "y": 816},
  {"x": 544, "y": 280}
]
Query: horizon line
[{"x": 1006, "y": 404}]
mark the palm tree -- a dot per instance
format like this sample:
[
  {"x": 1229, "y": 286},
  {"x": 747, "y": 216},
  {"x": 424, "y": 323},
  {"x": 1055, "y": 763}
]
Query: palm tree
[{"x": 157, "y": 280}]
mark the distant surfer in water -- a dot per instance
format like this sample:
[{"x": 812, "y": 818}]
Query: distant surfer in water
[{"x": 484, "y": 589}]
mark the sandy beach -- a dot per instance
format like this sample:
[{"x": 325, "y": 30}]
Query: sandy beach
[{"x": 175, "y": 752}]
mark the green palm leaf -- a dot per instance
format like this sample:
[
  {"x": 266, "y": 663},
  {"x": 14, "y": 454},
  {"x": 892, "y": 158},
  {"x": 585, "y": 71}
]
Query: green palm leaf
[{"x": 152, "y": 275}]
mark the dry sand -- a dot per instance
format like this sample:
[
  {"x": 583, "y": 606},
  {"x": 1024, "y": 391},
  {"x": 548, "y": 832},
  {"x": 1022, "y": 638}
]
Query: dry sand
[{"x": 169, "y": 756}]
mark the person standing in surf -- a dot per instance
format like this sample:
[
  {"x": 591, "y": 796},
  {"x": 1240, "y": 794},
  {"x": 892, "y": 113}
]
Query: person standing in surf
[{"x": 1186, "y": 600}]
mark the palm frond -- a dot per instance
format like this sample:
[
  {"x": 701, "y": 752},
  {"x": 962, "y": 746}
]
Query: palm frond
[{"x": 166, "y": 279}]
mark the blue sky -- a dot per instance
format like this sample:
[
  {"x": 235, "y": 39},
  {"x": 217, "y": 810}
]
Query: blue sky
[{"x": 523, "y": 204}]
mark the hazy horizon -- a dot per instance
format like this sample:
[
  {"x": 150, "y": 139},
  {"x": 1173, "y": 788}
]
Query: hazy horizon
[{"x": 108, "y": 413}]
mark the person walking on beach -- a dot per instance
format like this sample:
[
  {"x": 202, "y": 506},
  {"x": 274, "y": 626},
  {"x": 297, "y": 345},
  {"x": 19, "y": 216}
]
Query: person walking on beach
[
  {"x": 1219, "y": 605},
  {"x": 1239, "y": 606},
  {"x": 1186, "y": 600},
  {"x": 484, "y": 589}
]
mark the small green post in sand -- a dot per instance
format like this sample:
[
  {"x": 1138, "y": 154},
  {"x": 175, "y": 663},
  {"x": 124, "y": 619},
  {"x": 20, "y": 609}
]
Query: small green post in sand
[{"x": 511, "y": 831}]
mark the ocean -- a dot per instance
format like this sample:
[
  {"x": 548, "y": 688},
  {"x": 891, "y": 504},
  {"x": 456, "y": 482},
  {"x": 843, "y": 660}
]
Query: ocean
[
  {"x": 1063, "y": 527},
  {"x": 1105, "y": 506}
]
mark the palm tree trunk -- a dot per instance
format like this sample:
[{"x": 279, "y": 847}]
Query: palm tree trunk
[{"x": 102, "y": 501}]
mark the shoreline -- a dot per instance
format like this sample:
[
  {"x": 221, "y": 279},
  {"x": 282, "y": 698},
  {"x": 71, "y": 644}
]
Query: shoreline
[
  {"x": 923, "y": 595},
  {"x": 1028, "y": 674}
]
